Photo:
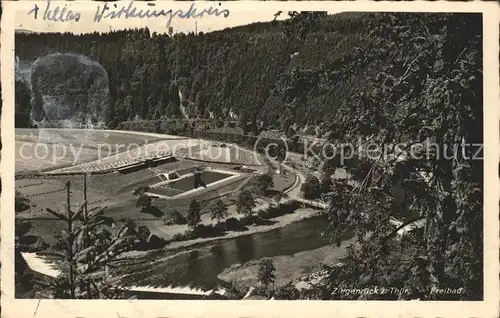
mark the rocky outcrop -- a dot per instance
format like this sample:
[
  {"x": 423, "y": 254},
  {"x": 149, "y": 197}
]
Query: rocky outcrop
[{"x": 68, "y": 87}]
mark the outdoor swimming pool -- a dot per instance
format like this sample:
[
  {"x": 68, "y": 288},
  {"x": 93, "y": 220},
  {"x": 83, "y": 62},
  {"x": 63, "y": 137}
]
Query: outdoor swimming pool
[{"x": 186, "y": 183}]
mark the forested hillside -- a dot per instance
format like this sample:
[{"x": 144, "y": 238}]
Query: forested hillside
[
  {"x": 256, "y": 72},
  {"x": 392, "y": 78}
]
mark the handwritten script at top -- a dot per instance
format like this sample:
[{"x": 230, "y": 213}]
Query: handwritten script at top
[{"x": 58, "y": 13}]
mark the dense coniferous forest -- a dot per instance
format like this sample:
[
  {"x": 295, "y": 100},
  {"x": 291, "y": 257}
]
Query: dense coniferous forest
[
  {"x": 252, "y": 71},
  {"x": 389, "y": 78}
]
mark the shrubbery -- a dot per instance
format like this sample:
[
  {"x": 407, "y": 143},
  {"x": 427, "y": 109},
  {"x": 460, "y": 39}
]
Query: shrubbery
[
  {"x": 281, "y": 209},
  {"x": 200, "y": 231},
  {"x": 31, "y": 244},
  {"x": 287, "y": 292},
  {"x": 232, "y": 224},
  {"x": 180, "y": 237},
  {"x": 194, "y": 217},
  {"x": 263, "y": 183},
  {"x": 245, "y": 203},
  {"x": 153, "y": 242},
  {"x": 178, "y": 218},
  {"x": 311, "y": 187},
  {"x": 204, "y": 231},
  {"x": 21, "y": 203},
  {"x": 255, "y": 220}
]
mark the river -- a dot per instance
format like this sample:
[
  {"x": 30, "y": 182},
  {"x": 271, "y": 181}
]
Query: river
[{"x": 198, "y": 266}]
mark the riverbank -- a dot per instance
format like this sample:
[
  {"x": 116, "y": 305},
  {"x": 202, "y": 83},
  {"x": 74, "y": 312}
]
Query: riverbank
[
  {"x": 288, "y": 267},
  {"x": 198, "y": 266},
  {"x": 278, "y": 222},
  {"x": 281, "y": 221}
]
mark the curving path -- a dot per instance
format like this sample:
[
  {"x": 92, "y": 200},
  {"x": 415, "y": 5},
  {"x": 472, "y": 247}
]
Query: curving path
[{"x": 294, "y": 193}]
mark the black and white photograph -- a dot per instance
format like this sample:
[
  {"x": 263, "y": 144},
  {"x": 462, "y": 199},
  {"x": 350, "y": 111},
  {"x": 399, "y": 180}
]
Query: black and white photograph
[{"x": 294, "y": 155}]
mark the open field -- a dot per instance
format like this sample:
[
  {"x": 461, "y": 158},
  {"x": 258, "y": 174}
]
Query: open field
[
  {"x": 31, "y": 155},
  {"x": 78, "y": 150},
  {"x": 133, "y": 154},
  {"x": 119, "y": 206},
  {"x": 96, "y": 136},
  {"x": 64, "y": 147},
  {"x": 114, "y": 190}
]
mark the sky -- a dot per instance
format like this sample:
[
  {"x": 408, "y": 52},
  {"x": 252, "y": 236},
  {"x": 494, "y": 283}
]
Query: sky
[
  {"x": 238, "y": 15},
  {"x": 241, "y": 13}
]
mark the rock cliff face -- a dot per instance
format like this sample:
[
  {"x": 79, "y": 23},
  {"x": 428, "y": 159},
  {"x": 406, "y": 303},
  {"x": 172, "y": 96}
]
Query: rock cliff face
[{"x": 68, "y": 87}]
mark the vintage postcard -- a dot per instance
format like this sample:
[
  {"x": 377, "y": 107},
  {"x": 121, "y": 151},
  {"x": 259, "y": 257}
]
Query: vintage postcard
[{"x": 250, "y": 159}]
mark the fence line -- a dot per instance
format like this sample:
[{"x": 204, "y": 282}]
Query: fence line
[
  {"x": 29, "y": 185},
  {"x": 45, "y": 193}
]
